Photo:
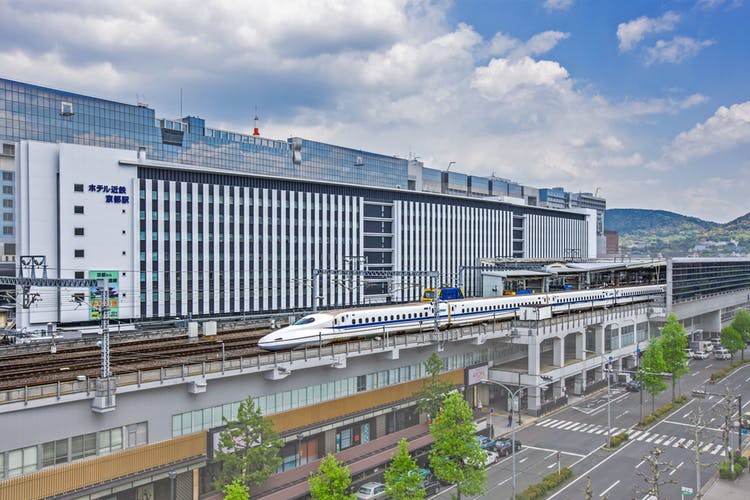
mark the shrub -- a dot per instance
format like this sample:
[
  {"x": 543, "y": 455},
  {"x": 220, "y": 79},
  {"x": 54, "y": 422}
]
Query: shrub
[
  {"x": 725, "y": 471},
  {"x": 548, "y": 484},
  {"x": 618, "y": 439}
]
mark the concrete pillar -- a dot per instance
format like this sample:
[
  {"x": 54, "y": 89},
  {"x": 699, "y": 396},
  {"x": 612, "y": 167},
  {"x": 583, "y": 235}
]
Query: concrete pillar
[
  {"x": 580, "y": 345},
  {"x": 557, "y": 389},
  {"x": 534, "y": 400},
  {"x": 534, "y": 357},
  {"x": 598, "y": 333},
  {"x": 329, "y": 442},
  {"x": 558, "y": 351},
  {"x": 714, "y": 320},
  {"x": 579, "y": 385},
  {"x": 483, "y": 395}
]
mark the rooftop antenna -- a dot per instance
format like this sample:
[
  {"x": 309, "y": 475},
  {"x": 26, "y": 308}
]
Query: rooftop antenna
[{"x": 256, "y": 130}]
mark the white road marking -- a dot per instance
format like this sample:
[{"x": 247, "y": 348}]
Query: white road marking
[
  {"x": 706, "y": 447},
  {"x": 523, "y": 460},
  {"x": 689, "y": 443},
  {"x": 719, "y": 447},
  {"x": 709, "y": 366},
  {"x": 551, "y": 465},
  {"x": 658, "y": 441},
  {"x": 614, "y": 430},
  {"x": 669, "y": 440},
  {"x": 640, "y": 463},
  {"x": 607, "y": 490},
  {"x": 678, "y": 443},
  {"x": 600, "y": 431},
  {"x": 622, "y": 414},
  {"x": 652, "y": 438},
  {"x": 553, "y": 451},
  {"x": 558, "y": 424},
  {"x": 747, "y": 379},
  {"x": 634, "y": 434},
  {"x": 687, "y": 414},
  {"x": 675, "y": 469},
  {"x": 643, "y": 436},
  {"x": 696, "y": 373},
  {"x": 547, "y": 423}
]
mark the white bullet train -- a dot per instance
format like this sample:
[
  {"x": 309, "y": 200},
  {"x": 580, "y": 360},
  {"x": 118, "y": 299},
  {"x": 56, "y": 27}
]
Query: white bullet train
[{"x": 323, "y": 327}]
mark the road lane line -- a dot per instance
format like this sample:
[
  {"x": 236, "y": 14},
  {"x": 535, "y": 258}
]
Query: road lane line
[
  {"x": 640, "y": 463},
  {"x": 523, "y": 460},
  {"x": 709, "y": 366},
  {"x": 687, "y": 414},
  {"x": 552, "y": 452},
  {"x": 551, "y": 465},
  {"x": 607, "y": 490},
  {"x": 696, "y": 373},
  {"x": 675, "y": 469},
  {"x": 747, "y": 379},
  {"x": 622, "y": 414}
]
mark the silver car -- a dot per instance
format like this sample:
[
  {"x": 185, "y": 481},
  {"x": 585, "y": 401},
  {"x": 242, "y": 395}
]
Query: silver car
[{"x": 371, "y": 491}]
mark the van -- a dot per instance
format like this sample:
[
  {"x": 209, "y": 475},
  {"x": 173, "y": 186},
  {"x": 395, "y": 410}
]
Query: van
[
  {"x": 703, "y": 345},
  {"x": 722, "y": 353}
]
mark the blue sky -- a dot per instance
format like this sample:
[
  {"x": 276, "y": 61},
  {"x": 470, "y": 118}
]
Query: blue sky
[{"x": 645, "y": 102}]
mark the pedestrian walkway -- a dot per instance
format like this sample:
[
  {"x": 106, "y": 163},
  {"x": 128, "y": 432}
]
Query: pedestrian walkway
[{"x": 721, "y": 489}]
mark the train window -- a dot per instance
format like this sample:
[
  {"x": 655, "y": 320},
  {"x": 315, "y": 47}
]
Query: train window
[
  {"x": 304, "y": 321},
  {"x": 380, "y": 318},
  {"x": 334, "y": 321}
]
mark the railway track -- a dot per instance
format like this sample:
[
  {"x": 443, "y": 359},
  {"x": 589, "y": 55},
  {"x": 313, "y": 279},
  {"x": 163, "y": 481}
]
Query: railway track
[{"x": 18, "y": 370}]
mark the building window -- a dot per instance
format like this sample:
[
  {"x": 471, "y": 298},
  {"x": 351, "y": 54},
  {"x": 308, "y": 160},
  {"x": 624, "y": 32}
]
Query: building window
[
  {"x": 7, "y": 230},
  {"x": 83, "y": 446},
  {"x": 110, "y": 440},
  {"x": 7, "y": 176},
  {"x": 7, "y": 189},
  {"x": 78, "y": 253},
  {"x": 9, "y": 149},
  {"x": 21, "y": 461},
  {"x": 78, "y": 188},
  {"x": 54, "y": 452},
  {"x": 78, "y": 231},
  {"x": 66, "y": 108},
  {"x": 8, "y": 217},
  {"x": 7, "y": 203},
  {"x": 78, "y": 209},
  {"x": 79, "y": 275},
  {"x": 137, "y": 434}
]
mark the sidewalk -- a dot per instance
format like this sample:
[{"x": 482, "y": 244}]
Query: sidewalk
[{"x": 721, "y": 489}]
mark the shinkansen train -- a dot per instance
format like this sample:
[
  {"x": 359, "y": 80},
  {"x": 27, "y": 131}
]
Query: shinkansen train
[{"x": 328, "y": 326}]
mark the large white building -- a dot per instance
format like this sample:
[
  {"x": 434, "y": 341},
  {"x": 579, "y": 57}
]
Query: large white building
[{"x": 178, "y": 240}]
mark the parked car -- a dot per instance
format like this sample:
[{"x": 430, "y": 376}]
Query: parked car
[
  {"x": 689, "y": 353},
  {"x": 485, "y": 442},
  {"x": 700, "y": 355},
  {"x": 745, "y": 420},
  {"x": 633, "y": 385},
  {"x": 504, "y": 446},
  {"x": 371, "y": 491},
  {"x": 716, "y": 342},
  {"x": 722, "y": 353},
  {"x": 492, "y": 458}
]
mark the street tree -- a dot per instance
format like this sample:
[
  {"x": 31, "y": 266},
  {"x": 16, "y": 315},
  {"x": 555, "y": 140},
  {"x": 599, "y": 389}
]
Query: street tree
[
  {"x": 455, "y": 456},
  {"x": 725, "y": 410},
  {"x": 434, "y": 389},
  {"x": 248, "y": 448},
  {"x": 331, "y": 481},
  {"x": 236, "y": 491},
  {"x": 654, "y": 474},
  {"x": 652, "y": 364},
  {"x": 741, "y": 323},
  {"x": 674, "y": 343},
  {"x": 402, "y": 478},
  {"x": 732, "y": 340}
]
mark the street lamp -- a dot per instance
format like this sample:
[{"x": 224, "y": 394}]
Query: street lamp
[{"x": 513, "y": 404}]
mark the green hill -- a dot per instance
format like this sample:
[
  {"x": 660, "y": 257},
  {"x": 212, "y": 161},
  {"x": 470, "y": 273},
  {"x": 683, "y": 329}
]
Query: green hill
[{"x": 655, "y": 232}]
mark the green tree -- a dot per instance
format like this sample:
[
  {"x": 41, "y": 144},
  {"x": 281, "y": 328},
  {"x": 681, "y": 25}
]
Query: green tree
[
  {"x": 331, "y": 482},
  {"x": 455, "y": 456},
  {"x": 732, "y": 340},
  {"x": 236, "y": 491},
  {"x": 402, "y": 480},
  {"x": 652, "y": 363},
  {"x": 673, "y": 344},
  {"x": 248, "y": 448},
  {"x": 741, "y": 323},
  {"x": 434, "y": 390}
]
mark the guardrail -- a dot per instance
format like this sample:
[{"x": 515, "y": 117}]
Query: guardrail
[{"x": 243, "y": 364}]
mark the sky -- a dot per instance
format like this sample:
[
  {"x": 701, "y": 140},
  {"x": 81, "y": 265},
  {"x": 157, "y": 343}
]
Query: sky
[{"x": 643, "y": 102}]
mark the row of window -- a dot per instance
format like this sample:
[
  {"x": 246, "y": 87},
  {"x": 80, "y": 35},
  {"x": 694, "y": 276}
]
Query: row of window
[
  {"x": 206, "y": 418},
  {"x": 32, "y": 458}
]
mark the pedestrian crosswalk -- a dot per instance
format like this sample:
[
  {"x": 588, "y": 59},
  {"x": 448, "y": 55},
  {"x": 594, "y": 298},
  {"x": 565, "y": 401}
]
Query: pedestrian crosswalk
[{"x": 634, "y": 435}]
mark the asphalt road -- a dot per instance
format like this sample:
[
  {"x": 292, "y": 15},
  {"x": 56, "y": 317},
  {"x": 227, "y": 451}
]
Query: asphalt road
[{"x": 576, "y": 434}]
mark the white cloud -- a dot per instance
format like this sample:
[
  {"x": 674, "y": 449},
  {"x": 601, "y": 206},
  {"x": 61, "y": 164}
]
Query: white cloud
[
  {"x": 714, "y": 4},
  {"x": 726, "y": 129},
  {"x": 632, "y": 32},
  {"x": 502, "y": 77},
  {"x": 557, "y": 4},
  {"x": 541, "y": 43},
  {"x": 676, "y": 50}
]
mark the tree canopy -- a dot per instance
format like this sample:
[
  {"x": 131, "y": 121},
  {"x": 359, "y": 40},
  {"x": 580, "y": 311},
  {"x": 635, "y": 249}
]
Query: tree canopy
[
  {"x": 434, "y": 390},
  {"x": 248, "y": 448},
  {"x": 652, "y": 364},
  {"x": 331, "y": 482},
  {"x": 236, "y": 491},
  {"x": 456, "y": 448},
  {"x": 402, "y": 479},
  {"x": 674, "y": 343},
  {"x": 741, "y": 323},
  {"x": 732, "y": 340}
]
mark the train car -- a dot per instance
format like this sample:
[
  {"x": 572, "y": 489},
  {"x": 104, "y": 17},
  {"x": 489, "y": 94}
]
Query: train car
[
  {"x": 447, "y": 293},
  {"x": 329, "y": 326}
]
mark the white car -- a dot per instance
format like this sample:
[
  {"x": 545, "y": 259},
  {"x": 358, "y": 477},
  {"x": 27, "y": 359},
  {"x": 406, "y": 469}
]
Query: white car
[
  {"x": 690, "y": 353},
  {"x": 492, "y": 458},
  {"x": 700, "y": 355},
  {"x": 371, "y": 491}
]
